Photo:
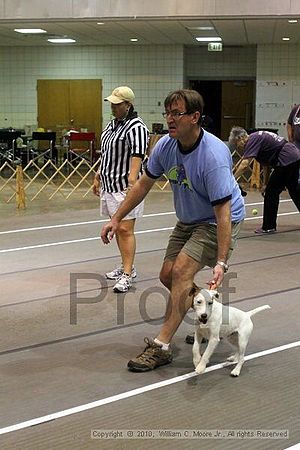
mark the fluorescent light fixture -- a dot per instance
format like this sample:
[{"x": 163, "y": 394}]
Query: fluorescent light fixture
[
  {"x": 61, "y": 40},
  {"x": 134, "y": 40},
  {"x": 292, "y": 21},
  {"x": 209, "y": 39},
  {"x": 100, "y": 23},
  {"x": 201, "y": 28},
  {"x": 285, "y": 38},
  {"x": 30, "y": 30}
]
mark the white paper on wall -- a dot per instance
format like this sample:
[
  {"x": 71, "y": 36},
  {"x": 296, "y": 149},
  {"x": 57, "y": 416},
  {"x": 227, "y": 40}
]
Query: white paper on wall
[{"x": 273, "y": 104}]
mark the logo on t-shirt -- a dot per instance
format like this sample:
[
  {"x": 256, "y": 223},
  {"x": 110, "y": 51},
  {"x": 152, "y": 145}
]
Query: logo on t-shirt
[{"x": 177, "y": 175}]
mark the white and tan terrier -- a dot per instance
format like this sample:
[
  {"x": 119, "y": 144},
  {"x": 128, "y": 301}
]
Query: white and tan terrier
[{"x": 214, "y": 321}]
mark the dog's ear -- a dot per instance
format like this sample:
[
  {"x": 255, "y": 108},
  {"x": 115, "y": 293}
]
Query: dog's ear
[{"x": 193, "y": 290}]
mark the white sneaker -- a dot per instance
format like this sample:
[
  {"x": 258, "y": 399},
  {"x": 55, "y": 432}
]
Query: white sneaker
[
  {"x": 118, "y": 272},
  {"x": 123, "y": 284},
  {"x": 115, "y": 274}
]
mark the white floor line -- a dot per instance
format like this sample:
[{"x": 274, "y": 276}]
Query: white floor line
[
  {"x": 51, "y": 244},
  {"x": 75, "y": 224},
  {"x": 128, "y": 394},
  {"x": 75, "y": 241},
  {"x": 261, "y": 203},
  {"x": 294, "y": 447},
  {"x": 279, "y": 214}
]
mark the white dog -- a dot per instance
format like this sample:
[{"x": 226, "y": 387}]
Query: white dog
[{"x": 215, "y": 321}]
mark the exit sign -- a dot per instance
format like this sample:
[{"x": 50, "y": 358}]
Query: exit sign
[{"x": 215, "y": 47}]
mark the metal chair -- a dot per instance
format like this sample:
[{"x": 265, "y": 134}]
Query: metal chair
[
  {"x": 49, "y": 152},
  {"x": 8, "y": 146}
]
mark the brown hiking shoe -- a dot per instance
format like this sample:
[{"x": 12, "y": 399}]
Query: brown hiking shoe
[{"x": 153, "y": 356}]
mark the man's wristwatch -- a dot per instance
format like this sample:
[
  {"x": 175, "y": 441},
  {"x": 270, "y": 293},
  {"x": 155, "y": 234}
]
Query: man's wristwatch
[{"x": 224, "y": 265}]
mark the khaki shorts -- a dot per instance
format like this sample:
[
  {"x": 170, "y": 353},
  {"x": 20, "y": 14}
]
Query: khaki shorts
[
  {"x": 110, "y": 202},
  {"x": 199, "y": 241}
]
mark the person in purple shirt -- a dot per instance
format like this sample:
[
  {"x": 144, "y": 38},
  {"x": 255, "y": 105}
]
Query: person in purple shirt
[
  {"x": 293, "y": 126},
  {"x": 271, "y": 151}
]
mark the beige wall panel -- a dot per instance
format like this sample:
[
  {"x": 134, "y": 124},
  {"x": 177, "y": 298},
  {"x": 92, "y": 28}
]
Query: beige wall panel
[
  {"x": 92, "y": 8},
  {"x": 33, "y": 9},
  {"x": 145, "y": 8},
  {"x": 252, "y": 8},
  {"x": 295, "y": 6}
]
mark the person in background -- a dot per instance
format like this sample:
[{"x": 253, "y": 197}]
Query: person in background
[
  {"x": 208, "y": 205},
  {"x": 124, "y": 143},
  {"x": 270, "y": 150},
  {"x": 207, "y": 123},
  {"x": 293, "y": 126}
]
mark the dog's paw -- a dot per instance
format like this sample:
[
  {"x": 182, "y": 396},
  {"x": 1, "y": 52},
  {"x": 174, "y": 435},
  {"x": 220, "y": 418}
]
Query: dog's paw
[
  {"x": 235, "y": 372},
  {"x": 232, "y": 358},
  {"x": 200, "y": 368}
]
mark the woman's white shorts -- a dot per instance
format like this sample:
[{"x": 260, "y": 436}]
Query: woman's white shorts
[{"x": 110, "y": 202}]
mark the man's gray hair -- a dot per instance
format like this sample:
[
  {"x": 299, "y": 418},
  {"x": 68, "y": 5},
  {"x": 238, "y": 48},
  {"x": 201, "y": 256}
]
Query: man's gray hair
[{"x": 236, "y": 133}]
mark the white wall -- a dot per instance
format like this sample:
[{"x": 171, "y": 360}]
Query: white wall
[
  {"x": 151, "y": 71},
  {"x": 278, "y": 84}
]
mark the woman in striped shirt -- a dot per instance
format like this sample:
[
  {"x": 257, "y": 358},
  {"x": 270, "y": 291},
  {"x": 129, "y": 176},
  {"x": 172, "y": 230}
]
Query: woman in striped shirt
[{"x": 124, "y": 142}]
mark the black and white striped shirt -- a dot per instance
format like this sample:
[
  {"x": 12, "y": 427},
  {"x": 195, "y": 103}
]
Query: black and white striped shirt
[{"x": 120, "y": 140}]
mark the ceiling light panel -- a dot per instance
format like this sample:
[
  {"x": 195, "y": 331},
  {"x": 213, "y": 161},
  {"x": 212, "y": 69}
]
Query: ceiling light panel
[
  {"x": 61, "y": 40},
  {"x": 30, "y": 30},
  {"x": 209, "y": 39}
]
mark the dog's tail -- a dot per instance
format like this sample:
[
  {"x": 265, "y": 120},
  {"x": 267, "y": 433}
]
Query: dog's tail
[{"x": 256, "y": 310}]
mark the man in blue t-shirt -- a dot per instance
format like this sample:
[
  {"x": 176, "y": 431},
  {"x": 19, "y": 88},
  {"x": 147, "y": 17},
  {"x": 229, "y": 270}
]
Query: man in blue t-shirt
[
  {"x": 208, "y": 205},
  {"x": 271, "y": 151}
]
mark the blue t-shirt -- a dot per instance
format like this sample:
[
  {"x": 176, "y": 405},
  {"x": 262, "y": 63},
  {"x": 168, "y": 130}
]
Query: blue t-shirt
[{"x": 201, "y": 178}]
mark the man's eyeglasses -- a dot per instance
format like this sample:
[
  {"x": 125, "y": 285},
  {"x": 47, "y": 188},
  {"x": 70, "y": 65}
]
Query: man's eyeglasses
[{"x": 174, "y": 114}]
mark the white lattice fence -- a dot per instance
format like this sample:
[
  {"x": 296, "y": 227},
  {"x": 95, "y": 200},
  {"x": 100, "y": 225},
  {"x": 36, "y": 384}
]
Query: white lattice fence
[
  {"x": 253, "y": 176},
  {"x": 7, "y": 181},
  {"x": 48, "y": 180}
]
